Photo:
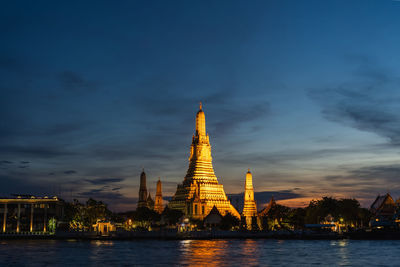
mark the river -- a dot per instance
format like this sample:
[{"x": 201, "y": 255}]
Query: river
[{"x": 232, "y": 252}]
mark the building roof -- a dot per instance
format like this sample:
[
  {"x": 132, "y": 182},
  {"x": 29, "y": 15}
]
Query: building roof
[
  {"x": 380, "y": 201},
  {"x": 266, "y": 210},
  {"x": 213, "y": 217},
  {"x": 28, "y": 199}
]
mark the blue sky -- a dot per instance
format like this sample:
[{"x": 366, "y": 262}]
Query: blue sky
[{"x": 305, "y": 93}]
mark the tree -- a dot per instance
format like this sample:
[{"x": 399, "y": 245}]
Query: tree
[
  {"x": 346, "y": 210},
  {"x": 317, "y": 210},
  {"x": 297, "y": 218},
  {"x": 82, "y": 217},
  {"x": 229, "y": 221},
  {"x": 364, "y": 216},
  {"x": 52, "y": 225},
  {"x": 279, "y": 214},
  {"x": 145, "y": 217},
  {"x": 171, "y": 216}
]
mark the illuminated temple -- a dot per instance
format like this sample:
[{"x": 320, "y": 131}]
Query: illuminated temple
[
  {"x": 200, "y": 191},
  {"x": 249, "y": 208}
]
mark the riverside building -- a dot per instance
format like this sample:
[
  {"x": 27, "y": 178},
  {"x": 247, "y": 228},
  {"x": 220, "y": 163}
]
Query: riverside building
[{"x": 29, "y": 213}]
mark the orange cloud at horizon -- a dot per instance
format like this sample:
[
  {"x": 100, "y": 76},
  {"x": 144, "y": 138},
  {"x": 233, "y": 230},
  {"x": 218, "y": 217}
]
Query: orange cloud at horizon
[{"x": 301, "y": 202}]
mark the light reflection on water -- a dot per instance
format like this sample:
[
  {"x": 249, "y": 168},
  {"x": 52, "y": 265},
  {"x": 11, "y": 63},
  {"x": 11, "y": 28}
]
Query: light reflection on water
[
  {"x": 199, "y": 253},
  {"x": 342, "y": 251}
]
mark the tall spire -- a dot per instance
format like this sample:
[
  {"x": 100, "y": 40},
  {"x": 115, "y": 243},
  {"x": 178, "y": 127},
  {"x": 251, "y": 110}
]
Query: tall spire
[
  {"x": 200, "y": 190},
  {"x": 200, "y": 122},
  {"x": 249, "y": 184},
  {"x": 142, "y": 191},
  {"x": 158, "y": 206},
  {"x": 150, "y": 202},
  {"x": 249, "y": 208}
]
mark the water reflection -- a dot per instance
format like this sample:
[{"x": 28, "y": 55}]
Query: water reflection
[
  {"x": 251, "y": 252},
  {"x": 103, "y": 242},
  {"x": 204, "y": 252},
  {"x": 219, "y": 253},
  {"x": 342, "y": 251}
]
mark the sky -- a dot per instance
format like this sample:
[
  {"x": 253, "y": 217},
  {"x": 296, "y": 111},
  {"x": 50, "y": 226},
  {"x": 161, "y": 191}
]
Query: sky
[{"x": 304, "y": 93}]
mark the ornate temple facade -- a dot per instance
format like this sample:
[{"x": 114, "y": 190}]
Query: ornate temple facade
[
  {"x": 249, "y": 207},
  {"x": 200, "y": 191},
  {"x": 158, "y": 206}
]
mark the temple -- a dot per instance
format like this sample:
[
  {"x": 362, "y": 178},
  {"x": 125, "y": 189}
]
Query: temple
[
  {"x": 142, "y": 191},
  {"x": 249, "y": 208},
  {"x": 150, "y": 202},
  {"x": 200, "y": 191},
  {"x": 158, "y": 206}
]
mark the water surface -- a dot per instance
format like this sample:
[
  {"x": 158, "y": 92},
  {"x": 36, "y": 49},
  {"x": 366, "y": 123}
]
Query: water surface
[{"x": 199, "y": 253}]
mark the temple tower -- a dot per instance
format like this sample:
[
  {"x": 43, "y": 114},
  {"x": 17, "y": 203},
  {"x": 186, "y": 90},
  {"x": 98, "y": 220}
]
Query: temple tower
[
  {"x": 249, "y": 207},
  {"x": 142, "y": 191},
  {"x": 150, "y": 202},
  {"x": 200, "y": 190},
  {"x": 158, "y": 206}
]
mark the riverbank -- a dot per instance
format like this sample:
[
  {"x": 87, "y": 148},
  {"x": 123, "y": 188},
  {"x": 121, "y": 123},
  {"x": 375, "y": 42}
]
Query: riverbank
[
  {"x": 175, "y": 235},
  {"x": 208, "y": 235}
]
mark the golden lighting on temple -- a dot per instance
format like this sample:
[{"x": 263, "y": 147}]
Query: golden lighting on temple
[
  {"x": 249, "y": 208},
  {"x": 158, "y": 206},
  {"x": 200, "y": 190}
]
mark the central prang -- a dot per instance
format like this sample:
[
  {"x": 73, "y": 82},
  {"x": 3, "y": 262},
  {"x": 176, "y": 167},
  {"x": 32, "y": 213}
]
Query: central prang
[{"x": 200, "y": 190}]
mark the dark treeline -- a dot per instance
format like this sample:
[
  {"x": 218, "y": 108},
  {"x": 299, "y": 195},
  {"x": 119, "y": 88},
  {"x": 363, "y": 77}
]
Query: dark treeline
[{"x": 346, "y": 212}]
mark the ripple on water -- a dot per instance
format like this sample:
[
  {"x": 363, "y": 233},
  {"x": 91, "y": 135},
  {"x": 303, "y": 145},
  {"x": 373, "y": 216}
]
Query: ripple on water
[{"x": 199, "y": 253}]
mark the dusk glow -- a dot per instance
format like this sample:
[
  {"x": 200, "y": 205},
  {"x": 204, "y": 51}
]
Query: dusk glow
[
  {"x": 304, "y": 93},
  {"x": 200, "y": 133}
]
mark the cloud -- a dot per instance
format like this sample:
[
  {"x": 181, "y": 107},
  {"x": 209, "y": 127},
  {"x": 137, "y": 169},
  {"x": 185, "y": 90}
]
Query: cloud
[
  {"x": 263, "y": 197},
  {"x": 70, "y": 172},
  {"x": 387, "y": 173},
  {"x": 14, "y": 184},
  {"x": 368, "y": 103},
  {"x": 111, "y": 198},
  {"x": 36, "y": 151},
  {"x": 24, "y": 162},
  {"x": 371, "y": 116},
  {"x": 6, "y": 162},
  {"x": 103, "y": 181},
  {"x": 73, "y": 81},
  {"x": 230, "y": 118},
  {"x": 64, "y": 128},
  {"x": 369, "y": 180}
]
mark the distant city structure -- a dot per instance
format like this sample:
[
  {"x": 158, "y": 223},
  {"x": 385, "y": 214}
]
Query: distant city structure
[
  {"x": 145, "y": 199},
  {"x": 142, "y": 191},
  {"x": 158, "y": 206},
  {"x": 249, "y": 207},
  {"x": 29, "y": 213},
  {"x": 200, "y": 191}
]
